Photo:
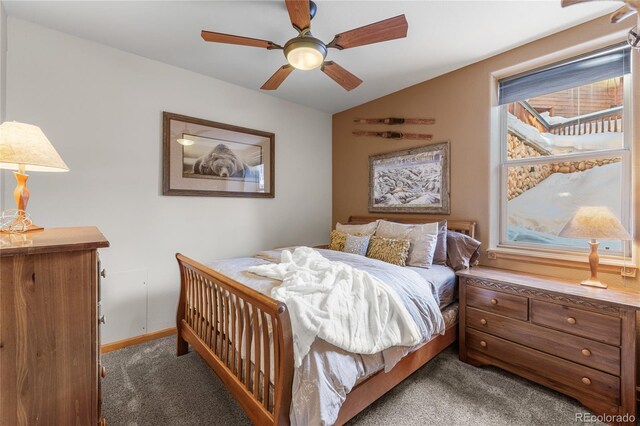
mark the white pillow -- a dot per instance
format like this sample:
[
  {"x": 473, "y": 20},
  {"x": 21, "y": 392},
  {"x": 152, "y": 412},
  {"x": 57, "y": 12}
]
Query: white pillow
[
  {"x": 423, "y": 240},
  {"x": 367, "y": 229}
]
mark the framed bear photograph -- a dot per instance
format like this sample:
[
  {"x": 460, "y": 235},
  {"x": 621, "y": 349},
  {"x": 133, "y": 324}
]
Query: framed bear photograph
[{"x": 210, "y": 159}]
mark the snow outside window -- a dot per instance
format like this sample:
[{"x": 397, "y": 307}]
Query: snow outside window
[{"x": 565, "y": 149}]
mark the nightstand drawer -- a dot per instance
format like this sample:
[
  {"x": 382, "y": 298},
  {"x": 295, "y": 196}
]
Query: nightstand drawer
[
  {"x": 497, "y": 302},
  {"x": 592, "y": 325},
  {"x": 566, "y": 376},
  {"x": 573, "y": 348}
]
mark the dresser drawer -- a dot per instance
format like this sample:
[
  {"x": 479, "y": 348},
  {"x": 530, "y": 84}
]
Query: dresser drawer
[
  {"x": 495, "y": 301},
  {"x": 565, "y": 376},
  {"x": 592, "y": 325},
  {"x": 578, "y": 349}
]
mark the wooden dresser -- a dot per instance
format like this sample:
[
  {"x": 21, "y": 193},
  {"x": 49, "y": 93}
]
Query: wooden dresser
[
  {"x": 49, "y": 333},
  {"x": 578, "y": 340}
]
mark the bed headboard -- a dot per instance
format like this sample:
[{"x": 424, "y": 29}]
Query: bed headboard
[{"x": 467, "y": 227}]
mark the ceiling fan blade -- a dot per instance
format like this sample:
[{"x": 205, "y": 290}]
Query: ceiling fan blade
[
  {"x": 299, "y": 13},
  {"x": 277, "y": 78},
  {"x": 621, "y": 14},
  {"x": 341, "y": 76},
  {"x": 242, "y": 41},
  {"x": 565, "y": 3},
  {"x": 389, "y": 29}
]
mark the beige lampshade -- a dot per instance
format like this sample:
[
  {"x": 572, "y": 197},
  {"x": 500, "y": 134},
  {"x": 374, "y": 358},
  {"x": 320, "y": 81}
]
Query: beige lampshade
[
  {"x": 22, "y": 143},
  {"x": 597, "y": 222}
]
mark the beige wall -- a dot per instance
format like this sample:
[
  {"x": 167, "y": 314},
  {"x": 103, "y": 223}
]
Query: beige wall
[{"x": 462, "y": 102}]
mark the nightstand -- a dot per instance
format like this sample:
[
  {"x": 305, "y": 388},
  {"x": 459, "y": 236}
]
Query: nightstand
[{"x": 577, "y": 340}]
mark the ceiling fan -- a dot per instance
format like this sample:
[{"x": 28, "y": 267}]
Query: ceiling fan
[
  {"x": 629, "y": 8},
  {"x": 306, "y": 52}
]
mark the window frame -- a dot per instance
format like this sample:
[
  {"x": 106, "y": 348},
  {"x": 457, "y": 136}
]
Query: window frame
[{"x": 627, "y": 197}]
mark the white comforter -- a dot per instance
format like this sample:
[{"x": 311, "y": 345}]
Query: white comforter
[
  {"x": 328, "y": 373},
  {"x": 344, "y": 306}
]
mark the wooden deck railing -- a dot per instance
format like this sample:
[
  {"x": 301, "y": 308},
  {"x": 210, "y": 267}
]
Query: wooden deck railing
[
  {"x": 528, "y": 115},
  {"x": 243, "y": 335},
  {"x": 609, "y": 120}
]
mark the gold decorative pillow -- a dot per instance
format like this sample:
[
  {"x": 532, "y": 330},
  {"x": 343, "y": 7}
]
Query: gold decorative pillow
[
  {"x": 337, "y": 240},
  {"x": 389, "y": 250}
]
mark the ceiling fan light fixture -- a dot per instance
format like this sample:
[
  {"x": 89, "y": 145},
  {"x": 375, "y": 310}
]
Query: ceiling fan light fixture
[{"x": 305, "y": 53}]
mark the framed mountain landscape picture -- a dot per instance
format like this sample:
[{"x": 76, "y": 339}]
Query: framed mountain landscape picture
[{"x": 410, "y": 181}]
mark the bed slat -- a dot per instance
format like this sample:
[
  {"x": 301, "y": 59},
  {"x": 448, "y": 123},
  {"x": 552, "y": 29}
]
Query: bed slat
[
  {"x": 255, "y": 321},
  {"x": 200, "y": 306},
  {"x": 267, "y": 362},
  {"x": 224, "y": 334},
  {"x": 214, "y": 333},
  {"x": 207, "y": 335},
  {"x": 189, "y": 298},
  {"x": 247, "y": 346},
  {"x": 232, "y": 363}
]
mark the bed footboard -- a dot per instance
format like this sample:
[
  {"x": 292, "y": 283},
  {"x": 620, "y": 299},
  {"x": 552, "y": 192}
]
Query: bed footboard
[{"x": 243, "y": 335}]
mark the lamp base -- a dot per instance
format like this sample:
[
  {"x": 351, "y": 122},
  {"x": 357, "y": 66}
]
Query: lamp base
[
  {"x": 594, "y": 260},
  {"x": 594, "y": 283},
  {"x": 21, "y": 197}
]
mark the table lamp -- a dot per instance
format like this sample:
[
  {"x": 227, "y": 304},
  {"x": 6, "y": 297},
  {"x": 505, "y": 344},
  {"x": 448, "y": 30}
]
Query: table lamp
[
  {"x": 23, "y": 147},
  {"x": 595, "y": 223}
]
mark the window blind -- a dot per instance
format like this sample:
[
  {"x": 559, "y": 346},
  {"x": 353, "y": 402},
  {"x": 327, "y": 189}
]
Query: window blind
[{"x": 611, "y": 62}]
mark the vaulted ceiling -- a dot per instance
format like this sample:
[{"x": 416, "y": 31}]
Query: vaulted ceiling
[{"x": 443, "y": 36}]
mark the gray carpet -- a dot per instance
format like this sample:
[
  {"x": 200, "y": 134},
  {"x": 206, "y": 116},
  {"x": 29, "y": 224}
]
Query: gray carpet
[{"x": 149, "y": 385}]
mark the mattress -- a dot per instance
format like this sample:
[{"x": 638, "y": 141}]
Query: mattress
[{"x": 444, "y": 281}]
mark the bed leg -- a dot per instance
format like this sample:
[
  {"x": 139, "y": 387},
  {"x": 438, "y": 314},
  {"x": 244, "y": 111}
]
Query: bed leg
[{"x": 182, "y": 345}]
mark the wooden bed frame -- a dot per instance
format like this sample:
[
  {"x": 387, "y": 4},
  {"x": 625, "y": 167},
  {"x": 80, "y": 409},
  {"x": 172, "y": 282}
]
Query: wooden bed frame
[{"x": 216, "y": 316}]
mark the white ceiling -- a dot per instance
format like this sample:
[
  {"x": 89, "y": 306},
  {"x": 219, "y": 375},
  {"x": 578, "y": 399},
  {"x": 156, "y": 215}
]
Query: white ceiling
[{"x": 443, "y": 36}]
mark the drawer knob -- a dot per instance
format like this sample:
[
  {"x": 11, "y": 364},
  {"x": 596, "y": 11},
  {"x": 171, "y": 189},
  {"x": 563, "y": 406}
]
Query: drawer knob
[
  {"x": 586, "y": 381},
  {"x": 483, "y": 321},
  {"x": 586, "y": 352},
  {"x": 483, "y": 343},
  {"x": 571, "y": 320},
  {"x": 103, "y": 372},
  {"x": 103, "y": 273},
  {"x": 494, "y": 301}
]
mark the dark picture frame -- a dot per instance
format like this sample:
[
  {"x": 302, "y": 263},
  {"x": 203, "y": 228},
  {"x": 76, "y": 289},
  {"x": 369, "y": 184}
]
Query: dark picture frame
[
  {"x": 415, "y": 180},
  {"x": 216, "y": 159}
]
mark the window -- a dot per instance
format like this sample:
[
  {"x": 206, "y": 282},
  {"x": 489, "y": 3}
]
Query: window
[{"x": 563, "y": 146}]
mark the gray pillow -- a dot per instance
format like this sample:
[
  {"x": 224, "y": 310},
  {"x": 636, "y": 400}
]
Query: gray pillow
[
  {"x": 366, "y": 229},
  {"x": 356, "y": 244},
  {"x": 462, "y": 250},
  {"x": 440, "y": 255},
  {"x": 423, "y": 239}
]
